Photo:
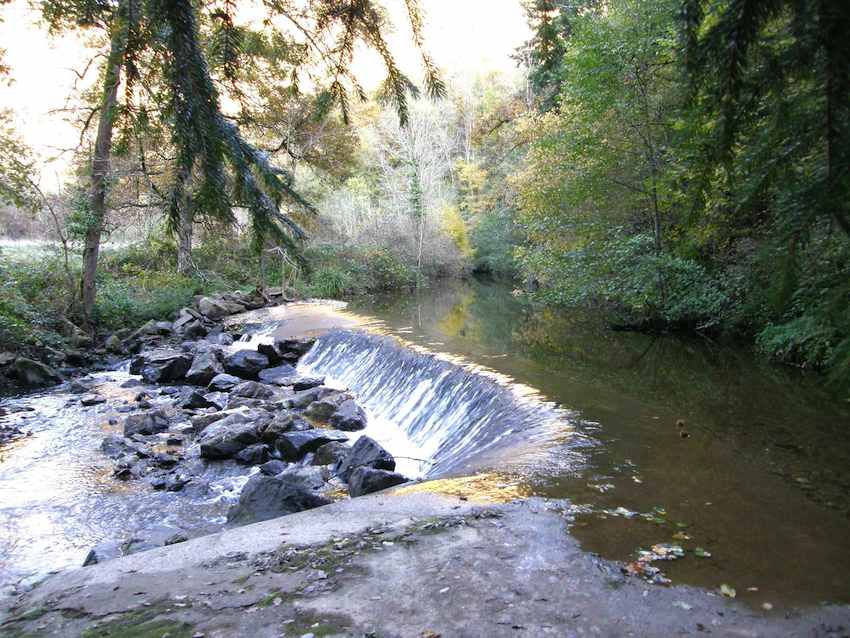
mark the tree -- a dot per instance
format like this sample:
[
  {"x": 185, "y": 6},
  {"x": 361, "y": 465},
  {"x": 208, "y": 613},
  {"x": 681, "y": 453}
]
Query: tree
[{"x": 158, "y": 44}]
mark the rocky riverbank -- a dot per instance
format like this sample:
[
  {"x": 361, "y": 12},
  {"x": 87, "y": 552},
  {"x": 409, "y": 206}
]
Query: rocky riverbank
[{"x": 197, "y": 400}]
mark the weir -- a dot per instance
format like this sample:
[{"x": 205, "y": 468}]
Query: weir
[{"x": 454, "y": 416}]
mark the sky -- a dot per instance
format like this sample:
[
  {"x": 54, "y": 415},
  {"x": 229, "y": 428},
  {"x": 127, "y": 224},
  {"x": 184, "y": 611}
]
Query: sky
[{"x": 463, "y": 36}]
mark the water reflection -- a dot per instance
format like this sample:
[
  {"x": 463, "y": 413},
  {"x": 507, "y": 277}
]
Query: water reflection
[{"x": 760, "y": 480}]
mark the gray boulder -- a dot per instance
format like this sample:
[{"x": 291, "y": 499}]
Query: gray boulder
[
  {"x": 223, "y": 382},
  {"x": 323, "y": 408},
  {"x": 365, "y": 480},
  {"x": 253, "y": 390},
  {"x": 294, "y": 445},
  {"x": 161, "y": 365},
  {"x": 34, "y": 373},
  {"x": 306, "y": 383},
  {"x": 273, "y": 467},
  {"x": 349, "y": 417},
  {"x": 146, "y": 423},
  {"x": 265, "y": 497},
  {"x": 218, "y": 308},
  {"x": 366, "y": 452},
  {"x": 305, "y": 397},
  {"x": 256, "y": 454},
  {"x": 205, "y": 367},
  {"x": 331, "y": 453},
  {"x": 278, "y": 375},
  {"x": 246, "y": 364}
]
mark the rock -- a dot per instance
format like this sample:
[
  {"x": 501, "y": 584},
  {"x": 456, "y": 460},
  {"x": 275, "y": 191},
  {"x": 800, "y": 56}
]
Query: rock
[
  {"x": 281, "y": 423},
  {"x": 331, "y": 453},
  {"x": 253, "y": 390},
  {"x": 246, "y": 364},
  {"x": 223, "y": 382},
  {"x": 196, "y": 401},
  {"x": 365, "y": 480},
  {"x": 326, "y": 406},
  {"x": 348, "y": 417},
  {"x": 306, "y": 397},
  {"x": 256, "y": 454},
  {"x": 294, "y": 445},
  {"x": 366, "y": 452},
  {"x": 205, "y": 367},
  {"x": 217, "y": 400},
  {"x": 220, "y": 338},
  {"x": 184, "y": 317},
  {"x": 102, "y": 552},
  {"x": 194, "y": 330},
  {"x": 34, "y": 373},
  {"x": 113, "y": 344},
  {"x": 179, "y": 537},
  {"x": 146, "y": 539},
  {"x": 164, "y": 327},
  {"x": 161, "y": 365},
  {"x": 115, "y": 446},
  {"x": 306, "y": 383},
  {"x": 273, "y": 467},
  {"x": 278, "y": 375},
  {"x": 146, "y": 423},
  {"x": 265, "y": 497},
  {"x": 6, "y": 358},
  {"x": 225, "y": 438},
  {"x": 91, "y": 399}
]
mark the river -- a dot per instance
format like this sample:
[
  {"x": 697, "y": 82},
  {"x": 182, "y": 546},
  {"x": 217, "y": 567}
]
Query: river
[{"x": 654, "y": 440}]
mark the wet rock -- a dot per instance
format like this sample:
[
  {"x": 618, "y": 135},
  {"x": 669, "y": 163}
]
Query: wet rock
[
  {"x": 223, "y": 382},
  {"x": 195, "y": 330},
  {"x": 146, "y": 539},
  {"x": 102, "y": 552},
  {"x": 256, "y": 454},
  {"x": 161, "y": 365},
  {"x": 305, "y": 397},
  {"x": 184, "y": 317},
  {"x": 278, "y": 375},
  {"x": 306, "y": 383},
  {"x": 225, "y": 438},
  {"x": 218, "y": 400},
  {"x": 218, "y": 308},
  {"x": 115, "y": 446},
  {"x": 331, "y": 453},
  {"x": 294, "y": 445},
  {"x": 114, "y": 344},
  {"x": 34, "y": 373},
  {"x": 281, "y": 423},
  {"x": 146, "y": 423},
  {"x": 246, "y": 364},
  {"x": 348, "y": 417},
  {"x": 365, "y": 480},
  {"x": 253, "y": 390},
  {"x": 197, "y": 401},
  {"x": 91, "y": 399},
  {"x": 201, "y": 421},
  {"x": 326, "y": 406},
  {"x": 77, "y": 386},
  {"x": 273, "y": 467},
  {"x": 169, "y": 482},
  {"x": 366, "y": 452},
  {"x": 179, "y": 537},
  {"x": 265, "y": 497},
  {"x": 205, "y": 367}
]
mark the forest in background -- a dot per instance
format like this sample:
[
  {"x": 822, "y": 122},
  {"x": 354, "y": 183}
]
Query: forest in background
[{"x": 676, "y": 165}]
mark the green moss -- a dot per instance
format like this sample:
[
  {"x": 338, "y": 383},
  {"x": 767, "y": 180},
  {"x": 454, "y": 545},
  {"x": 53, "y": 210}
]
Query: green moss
[{"x": 145, "y": 623}]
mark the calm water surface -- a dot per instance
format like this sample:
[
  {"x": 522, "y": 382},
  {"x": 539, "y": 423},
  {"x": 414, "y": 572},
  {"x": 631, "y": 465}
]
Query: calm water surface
[{"x": 762, "y": 481}]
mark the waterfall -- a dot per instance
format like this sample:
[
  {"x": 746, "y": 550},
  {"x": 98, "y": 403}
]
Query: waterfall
[{"x": 455, "y": 416}]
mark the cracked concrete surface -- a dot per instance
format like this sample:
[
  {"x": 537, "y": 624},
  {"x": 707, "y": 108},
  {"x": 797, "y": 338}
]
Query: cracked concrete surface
[{"x": 408, "y": 565}]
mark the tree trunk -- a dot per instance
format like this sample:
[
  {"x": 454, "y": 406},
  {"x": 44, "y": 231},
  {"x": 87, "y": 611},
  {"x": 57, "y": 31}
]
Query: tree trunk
[
  {"x": 184, "y": 238},
  {"x": 100, "y": 165}
]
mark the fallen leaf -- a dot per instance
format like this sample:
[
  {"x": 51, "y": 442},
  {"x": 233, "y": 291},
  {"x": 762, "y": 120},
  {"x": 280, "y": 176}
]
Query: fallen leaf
[
  {"x": 702, "y": 553},
  {"x": 727, "y": 591}
]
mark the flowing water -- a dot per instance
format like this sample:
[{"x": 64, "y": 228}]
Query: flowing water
[{"x": 654, "y": 439}]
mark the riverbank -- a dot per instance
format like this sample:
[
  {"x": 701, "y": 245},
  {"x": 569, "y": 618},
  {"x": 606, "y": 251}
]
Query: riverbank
[{"x": 398, "y": 564}]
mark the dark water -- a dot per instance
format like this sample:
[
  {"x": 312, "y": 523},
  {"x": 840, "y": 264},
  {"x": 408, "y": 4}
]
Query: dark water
[{"x": 762, "y": 481}]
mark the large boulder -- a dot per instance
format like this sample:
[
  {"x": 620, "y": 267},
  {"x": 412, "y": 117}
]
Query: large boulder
[
  {"x": 223, "y": 382},
  {"x": 366, "y": 452},
  {"x": 294, "y": 445},
  {"x": 331, "y": 453},
  {"x": 305, "y": 397},
  {"x": 185, "y": 316},
  {"x": 365, "y": 480},
  {"x": 146, "y": 423},
  {"x": 246, "y": 364},
  {"x": 205, "y": 367},
  {"x": 323, "y": 408},
  {"x": 348, "y": 417},
  {"x": 162, "y": 365},
  {"x": 256, "y": 454},
  {"x": 286, "y": 350},
  {"x": 226, "y": 438},
  {"x": 279, "y": 375},
  {"x": 281, "y": 423},
  {"x": 265, "y": 497},
  {"x": 253, "y": 390},
  {"x": 34, "y": 373},
  {"x": 215, "y": 309}
]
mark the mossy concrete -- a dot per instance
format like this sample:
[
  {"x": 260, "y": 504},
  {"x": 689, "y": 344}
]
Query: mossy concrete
[{"x": 389, "y": 565}]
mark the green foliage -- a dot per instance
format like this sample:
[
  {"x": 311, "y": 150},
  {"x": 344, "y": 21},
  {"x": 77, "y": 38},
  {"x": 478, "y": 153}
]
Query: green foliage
[
  {"x": 29, "y": 303},
  {"x": 339, "y": 273},
  {"x": 495, "y": 238}
]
